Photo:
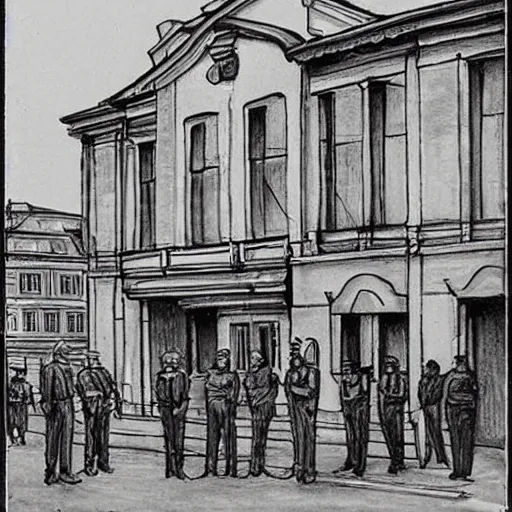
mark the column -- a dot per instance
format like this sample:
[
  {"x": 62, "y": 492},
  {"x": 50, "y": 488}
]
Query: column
[
  {"x": 119, "y": 166},
  {"x": 91, "y": 303},
  {"x": 119, "y": 347},
  {"x": 414, "y": 260},
  {"x": 131, "y": 184},
  {"x": 145, "y": 361},
  {"x": 367, "y": 156},
  {"x": 464, "y": 148}
]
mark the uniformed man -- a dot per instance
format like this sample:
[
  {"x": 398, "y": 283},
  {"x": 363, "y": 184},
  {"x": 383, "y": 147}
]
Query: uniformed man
[
  {"x": 222, "y": 388},
  {"x": 355, "y": 404},
  {"x": 295, "y": 347},
  {"x": 430, "y": 395},
  {"x": 261, "y": 386},
  {"x": 392, "y": 398},
  {"x": 172, "y": 393},
  {"x": 19, "y": 396},
  {"x": 99, "y": 395},
  {"x": 461, "y": 399},
  {"x": 302, "y": 386},
  {"x": 57, "y": 404}
]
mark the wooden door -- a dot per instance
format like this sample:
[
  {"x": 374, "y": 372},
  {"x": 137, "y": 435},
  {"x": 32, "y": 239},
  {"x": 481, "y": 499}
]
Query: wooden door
[{"x": 487, "y": 320}]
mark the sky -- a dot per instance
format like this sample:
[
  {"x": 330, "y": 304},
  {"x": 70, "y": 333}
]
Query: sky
[{"x": 66, "y": 55}]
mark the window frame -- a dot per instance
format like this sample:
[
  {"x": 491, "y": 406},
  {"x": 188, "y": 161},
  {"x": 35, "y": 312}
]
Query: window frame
[
  {"x": 25, "y": 280},
  {"x": 47, "y": 324},
  {"x": 75, "y": 284},
  {"x": 253, "y": 105},
  {"x": 75, "y": 315},
  {"x": 476, "y": 115},
  {"x": 210, "y": 120},
  {"x": 24, "y": 321},
  {"x": 149, "y": 184}
]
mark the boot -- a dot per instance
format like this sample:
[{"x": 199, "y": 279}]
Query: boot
[{"x": 70, "y": 478}]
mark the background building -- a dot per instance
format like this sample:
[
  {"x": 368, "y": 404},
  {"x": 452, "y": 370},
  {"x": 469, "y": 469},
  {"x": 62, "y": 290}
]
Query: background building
[{"x": 46, "y": 286}]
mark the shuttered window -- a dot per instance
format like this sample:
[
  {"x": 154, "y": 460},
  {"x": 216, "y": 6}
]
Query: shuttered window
[
  {"x": 147, "y": 196},
  {"x": 487, "y": 111},
  {"x": 267, "y": 167},
  {"x": 204, "y": 178}
]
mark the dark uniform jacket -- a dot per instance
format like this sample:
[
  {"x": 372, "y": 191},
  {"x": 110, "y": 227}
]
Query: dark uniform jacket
[
  {"x": 222, "y": 385},
  {"x": 430, "y": 390},
  {"x": 172, "y": 388},
  {"x": 56, "y": 382},
  {"x": 261, "y": 387},
  {"x": 92, "y": 381},
  {"x": 20, "y": 392},
  {"x": 461, "y": 389},
  {"x": 393, "y": 389}
]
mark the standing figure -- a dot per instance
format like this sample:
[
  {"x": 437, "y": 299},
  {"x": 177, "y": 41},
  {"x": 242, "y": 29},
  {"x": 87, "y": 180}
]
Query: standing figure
[
  {"x": 430, "y": 395},
  {"x": 355, "y": 404},
  {"x": 57, "y": 404},
  {"x": 96, "y": 389},
  {"x": 261, "y": 387},
  {"x": 461, "y": 398},
  {"x": 19, "y": 397},
  {"x": 172, "y": 388},
  {"x": 392, "y": 397},
  {"x": 302, "y": 386},
  {"x": 222, "y": 389}
]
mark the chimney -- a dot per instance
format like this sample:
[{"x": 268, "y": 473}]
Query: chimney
[{"x": 168, "y": 26}]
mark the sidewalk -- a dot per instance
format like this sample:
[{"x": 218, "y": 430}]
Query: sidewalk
[{"x": 488, "y": 473}]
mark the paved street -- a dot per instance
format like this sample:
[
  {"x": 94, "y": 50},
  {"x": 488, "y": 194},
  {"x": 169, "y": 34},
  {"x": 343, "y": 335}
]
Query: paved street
[{"x": 138, "y": 485}]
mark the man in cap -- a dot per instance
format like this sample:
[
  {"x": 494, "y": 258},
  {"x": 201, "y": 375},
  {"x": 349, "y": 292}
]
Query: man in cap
[
  {"x": 172, "y": 389},
  {"x": 221, "y": 388},
  {"x": 19, "y": 397},
  {"x": 57, "y": 403},
  {"x": 392, "y": 398},
  {"x": 97, "y": 390},
  {"x": 355, "y": 404},
  {"x": 261, "y": 386},
  {"x": 430, "y": 395},
  {"x": 302, "y": 387},
  {"x": 461, "y": 393}
]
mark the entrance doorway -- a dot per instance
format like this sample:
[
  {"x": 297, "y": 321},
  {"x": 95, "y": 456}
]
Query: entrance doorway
[
  {"x": 202, "y": 335},
  {"x": 486, "y": 351},
  {"x": 393, "y": 339}
]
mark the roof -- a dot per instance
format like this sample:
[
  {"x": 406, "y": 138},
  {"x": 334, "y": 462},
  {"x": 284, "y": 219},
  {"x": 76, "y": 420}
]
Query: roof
[
  {"x": 40, "y": 230},
  {"x": 392, "y": 27}
]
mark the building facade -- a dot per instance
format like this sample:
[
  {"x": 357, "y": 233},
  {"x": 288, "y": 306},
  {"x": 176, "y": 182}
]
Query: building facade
[
  {"x": 404, "y": 200},
  {"x": 302, "y": 169},
  {"x": 46, "y": 291}
]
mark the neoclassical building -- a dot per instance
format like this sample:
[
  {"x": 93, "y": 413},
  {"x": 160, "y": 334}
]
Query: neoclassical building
[
  {"x": 310, "y": 169},
  {"x": 46, "y": 293}
]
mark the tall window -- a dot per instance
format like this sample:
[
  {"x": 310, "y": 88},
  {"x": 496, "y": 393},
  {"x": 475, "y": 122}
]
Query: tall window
[
  {"x": 350, "y": 338},
  {"x": 487, "y": 112},
  {"x": 240, "y": 342},
  {"x": 267, "y": 166},
  {"x": 12, "y": 321},
  {"x": 147, "y": 196},
  {"x": 70, "y": 284},
  {"x": 388, "y": 152},
  {"x": 261, "y": 336},
  {"x": 341, "y": 147},
  {"x": 75, "y": 322},
  {"x": 341, "y": 151},
  {"x": 51, "y": 321},
  {"x": 204, "y": 172},
  {"x": 29, "y": 321},
  {"x": 30, "y": 283}
]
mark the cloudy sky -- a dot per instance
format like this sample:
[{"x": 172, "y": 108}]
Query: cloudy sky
[{"x": 65, "y": 55}]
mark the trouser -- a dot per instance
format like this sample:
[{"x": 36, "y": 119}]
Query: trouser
[
  {"x": 221, "y": 421},
  {"x": 306, "y": 438},
  {"x": 392, "y": 424},
  {"x": 292, "y": 412},
  {"x": 261, "y": 418},
  {"x": 435, "y": 440},
  {"x": 97, "y": 431},
  {"x": 17, "y": 418},
  {"x": 59, "y": 437},
  {"x": 461, "y": 424},
  {"x": 174, "y": 438},
  {"x": 357, "y": 421}
]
